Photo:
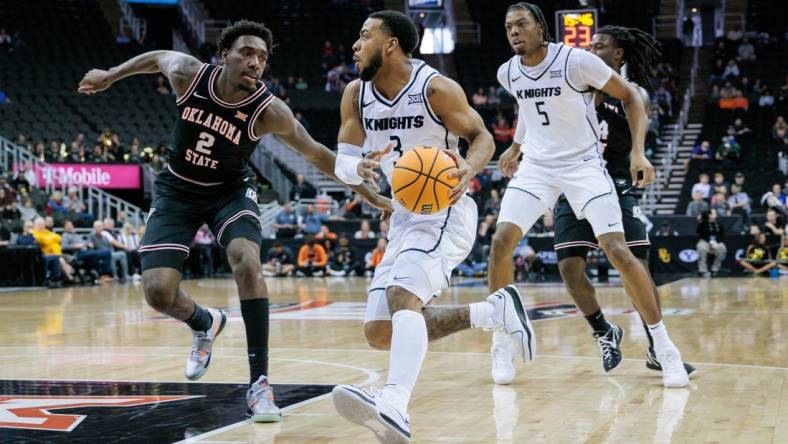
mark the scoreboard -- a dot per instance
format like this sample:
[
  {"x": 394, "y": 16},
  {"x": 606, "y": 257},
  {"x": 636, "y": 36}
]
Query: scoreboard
[{"x": 576, "y": 27}]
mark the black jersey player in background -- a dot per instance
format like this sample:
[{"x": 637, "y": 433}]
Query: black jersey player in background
[
  {"x": 637, "y": 50},
  {"x": 222, "y": 113}
]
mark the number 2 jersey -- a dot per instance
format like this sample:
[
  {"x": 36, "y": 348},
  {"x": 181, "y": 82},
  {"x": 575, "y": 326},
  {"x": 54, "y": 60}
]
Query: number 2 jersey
[
  {"x": 213, "y": 139},
  {"x": 556, "y": 102},
  {"x": 407, "y": 121}
]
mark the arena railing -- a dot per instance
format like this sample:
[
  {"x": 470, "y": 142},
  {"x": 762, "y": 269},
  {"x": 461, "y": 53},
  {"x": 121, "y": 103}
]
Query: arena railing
[{"x": 200, "y": 25}]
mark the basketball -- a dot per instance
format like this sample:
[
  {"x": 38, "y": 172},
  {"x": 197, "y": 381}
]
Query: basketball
[{"x": 421, "y": 182}]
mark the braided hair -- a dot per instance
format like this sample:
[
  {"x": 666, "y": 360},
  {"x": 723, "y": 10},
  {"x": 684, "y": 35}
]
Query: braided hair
[
  {"x": 641, "y": 52},
  {"x": 537, "y": 13}
]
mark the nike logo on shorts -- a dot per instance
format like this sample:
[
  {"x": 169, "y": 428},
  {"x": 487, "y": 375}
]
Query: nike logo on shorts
[{"x": 611, "y": 225}]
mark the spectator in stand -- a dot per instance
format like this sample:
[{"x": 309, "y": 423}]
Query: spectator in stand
[
  {"x": 739, "y": 202},
  {"x": 203, "y": 246},
  {"x": 502, "y": 134},
  {"x": 720, "y": 204},
  {"x": 134, "y": 155},
  {"x": 327, "y": 237},
  {"x": 286, "y": 222},
  {"x": 493, "y": 101},
  {"x": 746, "y": 51},
  {"x": 479, "y": 99},
  {"x": 302, "y": 189},
  {"x": 738, "y": 179},
  {"x": 27, "y": 211},
  {"x": 774, "y": 225},
  {"x": 719, "y": 186},
  {"x": 740, "y": 130},
  {"x": 717, "y": 70},
  {"x": 374, "y": 257},
  {"x": 663, "y": 99},
  {"x": 780, "y": 131},
  {"x": 729, "y": 149},
  {"x": 312, "y": 220},
  {"x": 476, "y": 262},
  {"x": 312, "y": 258},
  {"x": 25, "y": 237},
  {"x": 71, "y": 201},
  {"x": 711, "y": 236},
  {"x": 735, "y": 34},
  {"x": 775, "y": 200},
  {"x": 702, "y": 151},
  {"x": 698, "y": 206},
  {"x": 99, "y": 242},
  {"x": 493, "y": 203},
  {"x": 302, "y": 120},
  {"x": 72, "y": 243},
  {"x": 345, "y": 260},
  {"x": 161, "y": 86},
  {"x": 383, "y": 229},
  {"x": 279, "y": 261},
  {"x": 365, "y": 231},
  {"x": 727, "y": 91},
  {"x": 702, "y": 186},
  {"x": 731, "y": 71},
  {"x": 758, "y": 256},
  {"x": 301, "y": 84},
  {"x": 49, "y": 242},
  {"x": 714, "y": 94},
  {"x": 665, "y": 230},
  {"x": 55, "y": 204},
  {"x": 11, "y": 212},
  {"x": 53, "y": 153},
  {"x": 738, "y": 101},
  {"x": 131, "y": 243}
]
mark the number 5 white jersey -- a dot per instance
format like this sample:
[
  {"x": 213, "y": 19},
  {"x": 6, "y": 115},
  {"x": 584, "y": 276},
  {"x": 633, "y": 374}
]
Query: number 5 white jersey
[
  {"x": 556, "y": 102},
  {"x": 407, "y": 121}
]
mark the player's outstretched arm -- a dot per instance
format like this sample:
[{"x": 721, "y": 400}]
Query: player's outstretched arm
[
  {"x": 629, "y": 94},
  {"x": 448, "y": 100},
  {"x": 179, "y": 68},
  {"x": 278, "y": 119}
]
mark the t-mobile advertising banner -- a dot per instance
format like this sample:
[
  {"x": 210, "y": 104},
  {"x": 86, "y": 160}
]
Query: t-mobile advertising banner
[{"x": 97, "y": 175}]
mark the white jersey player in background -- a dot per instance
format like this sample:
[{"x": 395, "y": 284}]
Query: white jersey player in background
[
  {"x": 401, "y": 103},
  {"x": 554, "y": 87}
]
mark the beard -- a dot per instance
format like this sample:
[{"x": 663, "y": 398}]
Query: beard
[
  {"x": 369, "y": 71},
  {"x": 247, "y": 88}
]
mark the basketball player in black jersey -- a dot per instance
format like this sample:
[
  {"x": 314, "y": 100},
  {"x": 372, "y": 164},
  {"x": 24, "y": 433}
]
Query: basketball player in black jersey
[
  {"x": 223, "y": 111},
  {"x": 616, "y": 46}
]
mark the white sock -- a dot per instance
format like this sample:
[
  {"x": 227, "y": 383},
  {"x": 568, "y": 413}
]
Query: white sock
[
  {"x": 660, "y": 335},
  {"x": 481, "y": 315},
  {"x": 408, "y": 347}
]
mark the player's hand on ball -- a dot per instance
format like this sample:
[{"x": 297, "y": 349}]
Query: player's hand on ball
[
  {"x": 463, "y": 173},
  {"x": 639, "y": 164},
  {"x": 366, "y": 168},
  {"x": 96, "y": 80},
  {"x": 509, "y": 161}
]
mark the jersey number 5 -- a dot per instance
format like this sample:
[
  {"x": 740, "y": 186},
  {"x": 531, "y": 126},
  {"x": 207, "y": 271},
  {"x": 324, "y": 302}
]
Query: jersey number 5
[
  {"x": 206, "y": 141},
  {"x": 542, "y": 113}
]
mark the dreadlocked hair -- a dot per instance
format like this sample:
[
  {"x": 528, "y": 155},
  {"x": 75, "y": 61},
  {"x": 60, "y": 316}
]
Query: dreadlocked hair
[
  {"x": 641, "y": 52},
  {"x": 537, "y": 13}
]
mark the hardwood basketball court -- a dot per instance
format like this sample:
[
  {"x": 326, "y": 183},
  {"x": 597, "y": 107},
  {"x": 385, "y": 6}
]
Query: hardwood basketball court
[{"x": 731, "y": 329}]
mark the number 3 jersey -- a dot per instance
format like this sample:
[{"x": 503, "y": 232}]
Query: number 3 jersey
[
  {"x": 407, "y": 121},
  {"x": 556, "y": 102},
  {"x": 213, "y": 139}
]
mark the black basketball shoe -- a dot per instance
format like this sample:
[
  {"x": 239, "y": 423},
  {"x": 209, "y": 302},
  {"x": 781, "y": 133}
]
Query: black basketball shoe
[
  {"x": 653, "y": 364},
  {"x": 609, "y": 345}
]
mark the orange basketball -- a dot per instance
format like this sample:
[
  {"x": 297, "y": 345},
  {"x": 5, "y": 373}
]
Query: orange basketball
[{"x": 421, "y": 182}]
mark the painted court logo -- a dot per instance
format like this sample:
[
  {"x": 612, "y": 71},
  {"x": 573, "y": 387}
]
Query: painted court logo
[{"x": 33, "y": 412}]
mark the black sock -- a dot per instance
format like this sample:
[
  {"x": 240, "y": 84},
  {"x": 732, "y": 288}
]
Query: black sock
[
  {"x": 597, "y": 321},
  {"x": 648, "y": 335},
  {"x": 255, "y": 314},
  {"x": 200, "y": 320}
]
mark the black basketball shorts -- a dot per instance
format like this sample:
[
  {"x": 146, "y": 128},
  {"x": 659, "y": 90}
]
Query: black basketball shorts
[
  {"x": 180, "y": 208},
  {"x": 574, "y": 238}
]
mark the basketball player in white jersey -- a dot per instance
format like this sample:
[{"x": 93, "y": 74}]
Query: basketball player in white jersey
[
  {"x": 554, "y": 87},
  {"x": 401, "y": 103}
]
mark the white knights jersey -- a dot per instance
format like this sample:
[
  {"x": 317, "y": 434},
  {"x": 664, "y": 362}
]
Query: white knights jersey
[
  {"x": 556, "y": 102},
  {"x": 407, "y": 121}
]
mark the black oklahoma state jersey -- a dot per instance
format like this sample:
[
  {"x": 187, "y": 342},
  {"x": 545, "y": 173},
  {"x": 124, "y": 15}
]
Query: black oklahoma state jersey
[
  {"x": 213, "y": 139},
  {"x": 615, "y": 136}
]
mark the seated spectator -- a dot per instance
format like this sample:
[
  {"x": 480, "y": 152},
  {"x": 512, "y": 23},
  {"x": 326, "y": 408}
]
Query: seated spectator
[
  {"x": 526, "y": 262},
  {"x": 735, "y": 34},
  {"x": 49, "y": 242},
  {"x": 729, "y": 149},
  {"x": 286, "y": 222},
  {"x": 479, "y": 99},
  {"x": 492, "y": 98},
  {"x": 714, "y": 94},
  {"x": 345, "y": 260},
  {"x": 702, "y": 151},
  {"x": 279, "y": 261},
  {"x": 203, "y": 246},
  {"x": 99, "y": 240},
  {"x": 766, "y": 99},
  {"x": 365, "y": 231},
  {"x": 720, "y": 204},
  {"x": 302, "y": 189},
  {"x": 740, "y": 129},
  {"x": 731, "y": 70},
  {"x": 25, "y": 237},
  {"x": 719, "y": 186},
  {"x": 312, "y": 258},
  {"x": 711, "y": 236},
  {"x": 737, "y": 101},
  {"x": 11, "y": 212},
  {"x": 72, "y": 243},
  {"x": 55, "y": 204},
  {"x": 383, "y": 229},
  {"x": 775, "y": 200},
  {"x": 663, "y": 99},
  {"x": 758, "y": 257},
  {"x": 703, "y": 186},
  {"x": 130, "y": 240},
  {"x": 665, "y": 230},
  {"x": 485, "y": 233},
  {"x": 774, "y": 224},
  {"x": 475, "y": 264},
  {"x": 161, "y": 86},
  {"x": 301, "y": 84},
  {"x": 746, "y": 51},
  {"x": 374, "y": 257},
  {"x": 698, "y": 206},
  {"x": 493, "y": 203},
  {"x": 502, "y": 134},
  {"x": 739, "y": 202},
  {"x": 547, "y": 227},
  {"x": 325, "y": 233},
  {"x": 780, "y": 131},
  {"x": 727, "y": 91},
  {"x": 312, "y": 220}
]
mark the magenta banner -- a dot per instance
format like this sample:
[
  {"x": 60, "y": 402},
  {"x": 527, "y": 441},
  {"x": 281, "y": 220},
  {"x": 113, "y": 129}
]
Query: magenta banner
[{"x": 97, "y": 175}]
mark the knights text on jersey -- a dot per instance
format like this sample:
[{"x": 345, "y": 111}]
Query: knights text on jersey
[
  {"x": 407, "y": 120},
  {"x": 213, "y": 139},
  {"x": 556, "y": 102}
]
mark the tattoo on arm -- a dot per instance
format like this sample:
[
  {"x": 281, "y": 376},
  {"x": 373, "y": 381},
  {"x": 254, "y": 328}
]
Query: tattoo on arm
[{"x": 446, "y": 319}]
